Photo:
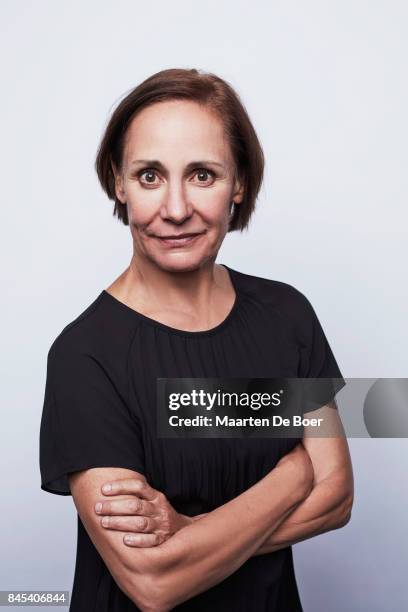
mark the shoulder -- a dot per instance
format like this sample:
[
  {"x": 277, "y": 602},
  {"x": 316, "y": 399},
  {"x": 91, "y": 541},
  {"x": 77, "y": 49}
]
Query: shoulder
[
  {"x": 283, "y": 296},
  {"x": 285, "y": 305},
  {"x": 98, "y": 332}
]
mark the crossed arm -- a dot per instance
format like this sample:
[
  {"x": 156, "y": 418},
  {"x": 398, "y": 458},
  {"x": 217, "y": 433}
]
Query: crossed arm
[
  {"x": 329, "y": 504},
  {"x": 305, "y": 494}
]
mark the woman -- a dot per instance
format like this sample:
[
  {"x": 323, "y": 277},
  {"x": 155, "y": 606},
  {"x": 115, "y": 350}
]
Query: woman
[{"x": 213, "y": 520}]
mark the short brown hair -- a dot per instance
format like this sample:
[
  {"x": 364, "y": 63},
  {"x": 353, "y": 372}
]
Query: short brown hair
[{"x": 206, "y": 89}]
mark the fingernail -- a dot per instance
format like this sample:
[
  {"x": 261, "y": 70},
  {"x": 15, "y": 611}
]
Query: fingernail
[
  {"x": 98, "y": 507},
  {"x": 129, "y": 539},
  {"x": 106, "y": 488},
  {"x": 105, "y": 521}
]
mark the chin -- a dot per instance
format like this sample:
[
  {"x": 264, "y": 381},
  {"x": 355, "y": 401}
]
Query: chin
[{"x": 181, "y": 262}]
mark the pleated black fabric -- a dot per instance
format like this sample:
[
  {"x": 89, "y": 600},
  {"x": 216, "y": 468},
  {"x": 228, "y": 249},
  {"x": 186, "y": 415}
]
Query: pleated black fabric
[{"x": 99, "y": 411}]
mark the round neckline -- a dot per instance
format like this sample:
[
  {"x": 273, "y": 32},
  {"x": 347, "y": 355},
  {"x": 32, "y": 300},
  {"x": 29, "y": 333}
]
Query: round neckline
[{"x": 175, "y": 330}]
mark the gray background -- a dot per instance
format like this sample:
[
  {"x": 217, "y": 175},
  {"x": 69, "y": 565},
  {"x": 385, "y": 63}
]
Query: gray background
[{"x": 324, "y": 83}]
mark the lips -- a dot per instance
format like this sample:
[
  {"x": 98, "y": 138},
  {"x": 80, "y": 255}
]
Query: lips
[
  {"x": 178, "y": 236},
  {"x": 178, "y": 240}
]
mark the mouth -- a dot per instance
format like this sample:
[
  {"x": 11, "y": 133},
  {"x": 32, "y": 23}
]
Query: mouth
[{"x": 179, "y": 240}]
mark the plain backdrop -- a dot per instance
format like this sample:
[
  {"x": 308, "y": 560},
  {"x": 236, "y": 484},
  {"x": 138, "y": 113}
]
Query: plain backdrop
[{"x": 325, "y": 86}]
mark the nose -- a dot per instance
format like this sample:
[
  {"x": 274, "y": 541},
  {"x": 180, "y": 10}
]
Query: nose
[{"x": 176, "y": 207}]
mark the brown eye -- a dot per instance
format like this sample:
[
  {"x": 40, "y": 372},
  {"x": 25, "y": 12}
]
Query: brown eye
[
  {"x": 204, "y": 172},
  {"x": 150, "y": 174}
]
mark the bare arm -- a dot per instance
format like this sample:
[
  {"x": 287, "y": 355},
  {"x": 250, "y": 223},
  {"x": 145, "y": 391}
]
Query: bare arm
[
  {"x": 204, "y": 552},
  {"x": 329, "y": 504}
]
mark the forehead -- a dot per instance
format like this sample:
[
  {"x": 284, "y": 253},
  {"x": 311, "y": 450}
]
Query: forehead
[{"x": 176, "y": 127}]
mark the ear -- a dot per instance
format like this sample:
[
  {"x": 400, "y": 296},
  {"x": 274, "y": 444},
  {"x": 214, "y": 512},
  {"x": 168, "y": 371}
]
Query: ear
[
  {"x": 119, "y": 191},
  {"x": 238, "y": 193}
]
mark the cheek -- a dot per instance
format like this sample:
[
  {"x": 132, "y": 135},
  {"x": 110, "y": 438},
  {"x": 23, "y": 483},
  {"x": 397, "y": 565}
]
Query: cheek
[
  {"x": 214, "y": 208},
  {"x": 141, "y": 212}
]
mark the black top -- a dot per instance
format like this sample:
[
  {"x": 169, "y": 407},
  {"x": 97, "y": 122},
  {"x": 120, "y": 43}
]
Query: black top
[{"x": 99, "y": 412}]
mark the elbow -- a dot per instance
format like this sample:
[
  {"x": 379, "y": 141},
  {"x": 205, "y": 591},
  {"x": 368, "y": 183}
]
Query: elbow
[
  {"x": 344, "y": 514},
  {"x": 150, "y": 595},
  {"x": 147, "y": 586},
  {"x": 144, "y": 589}
]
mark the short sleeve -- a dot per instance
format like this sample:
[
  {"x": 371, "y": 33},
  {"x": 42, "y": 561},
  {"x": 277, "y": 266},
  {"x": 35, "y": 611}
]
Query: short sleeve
[
  {"x": 85, "y": 422},
  {"x": 317, "y": 362}
]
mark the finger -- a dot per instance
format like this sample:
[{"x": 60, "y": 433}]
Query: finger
[
  {"x": 137, "y": 524},
  {"x": 143, "y": 540},
  {"x": 132, "y": 505},
  {"x": 129, "y": 486}
]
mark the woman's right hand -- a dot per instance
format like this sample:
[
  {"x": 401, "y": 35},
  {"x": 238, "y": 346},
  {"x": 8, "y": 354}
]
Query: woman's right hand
[
  {"x": 298, "y": 462},
  {"x": 147, "y": 518}
]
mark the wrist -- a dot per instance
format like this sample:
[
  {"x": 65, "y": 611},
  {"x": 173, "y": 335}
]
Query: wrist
[
  {"x": 185, "y": 520},
  {"x": 197, "y": 517}
]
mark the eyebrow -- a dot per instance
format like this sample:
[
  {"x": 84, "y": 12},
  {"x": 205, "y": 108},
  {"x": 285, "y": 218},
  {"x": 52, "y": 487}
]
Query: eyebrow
[{"x": 190, "y": 166}]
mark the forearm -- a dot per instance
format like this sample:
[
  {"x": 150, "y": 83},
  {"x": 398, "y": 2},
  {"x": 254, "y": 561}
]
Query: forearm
[
  {"x": 327, "y": 507},
  {"x": 208, "y": 550}
]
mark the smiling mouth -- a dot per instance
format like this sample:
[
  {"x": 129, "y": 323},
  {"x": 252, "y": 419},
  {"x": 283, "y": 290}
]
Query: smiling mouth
[{"x": 181, "y": 240}]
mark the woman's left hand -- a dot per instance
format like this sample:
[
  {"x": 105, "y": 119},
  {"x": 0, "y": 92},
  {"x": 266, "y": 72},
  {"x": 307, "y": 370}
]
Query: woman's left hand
[{"x": 147, "y": 519}]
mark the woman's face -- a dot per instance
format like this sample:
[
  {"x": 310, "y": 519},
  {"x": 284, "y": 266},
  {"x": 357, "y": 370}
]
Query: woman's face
[{"x": 177, "y": 178}]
